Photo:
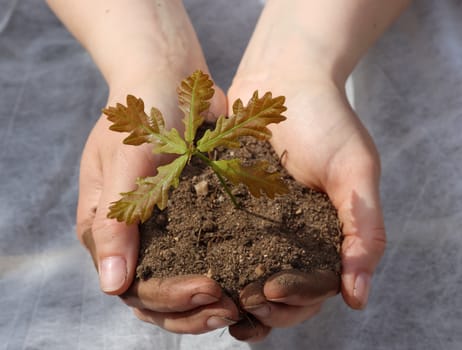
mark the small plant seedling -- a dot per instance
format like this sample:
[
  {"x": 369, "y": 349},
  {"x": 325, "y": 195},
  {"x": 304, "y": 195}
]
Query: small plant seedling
[{"x": 194, "y": 95}]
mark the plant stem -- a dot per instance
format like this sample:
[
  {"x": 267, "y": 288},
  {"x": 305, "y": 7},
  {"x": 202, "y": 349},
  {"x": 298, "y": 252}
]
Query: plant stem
[{"x": 220, "y": 177}]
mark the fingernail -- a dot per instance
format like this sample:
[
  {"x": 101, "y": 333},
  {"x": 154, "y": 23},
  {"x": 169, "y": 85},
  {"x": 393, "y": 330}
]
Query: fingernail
[
  {"x": 203, "y": 299},
  {"x": 215, "y": 322},
  {"x": 112, "y": 273},
  {"x": 259, "y": 310},
  {"x": 361, "y": 289}
]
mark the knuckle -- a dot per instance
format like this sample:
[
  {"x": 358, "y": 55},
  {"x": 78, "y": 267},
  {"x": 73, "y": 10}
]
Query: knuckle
[
  {"x": 106, "y": 230},
  {"x": 84, "y": 223},
  {"x": 103, "y": 224},
  {"x": 378, "y": 241}
]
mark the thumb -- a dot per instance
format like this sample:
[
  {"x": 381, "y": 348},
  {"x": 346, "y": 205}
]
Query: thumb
[
  {"x": 364, "y": 241},
  {"x": 117, "y": 251},
  {"x": 116, "y": 242},
  {"x": 103, "y": 176}
]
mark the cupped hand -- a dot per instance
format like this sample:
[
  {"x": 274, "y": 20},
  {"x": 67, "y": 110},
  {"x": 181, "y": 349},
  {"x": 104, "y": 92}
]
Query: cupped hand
[
  {"x": 325, "y": 147},
  {"x": 285, "y": 299},
  {"x": 191, "y": 304}
]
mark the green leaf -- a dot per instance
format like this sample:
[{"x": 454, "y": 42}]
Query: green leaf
[
  {"x": 166, "y": 141},
  {"x": 170, "y": 142},
  {"x": 255, "y": 177},
  {"x": 194, "y": 94},
  {"x": 138, "y": 204},
  {"x": 251, "y": 120},
  {"x": 132, "y": 119}
]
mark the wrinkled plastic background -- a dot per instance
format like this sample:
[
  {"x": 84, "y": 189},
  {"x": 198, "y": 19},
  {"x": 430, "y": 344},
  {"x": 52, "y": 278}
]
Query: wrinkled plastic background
[{"x": 408, "y": 91}]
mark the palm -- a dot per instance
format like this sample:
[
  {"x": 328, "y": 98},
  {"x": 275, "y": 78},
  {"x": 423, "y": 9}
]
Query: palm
[{"x": 324, "y": 146}]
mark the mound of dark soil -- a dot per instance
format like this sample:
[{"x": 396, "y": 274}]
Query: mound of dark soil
[{"x": 202, "y": 232}]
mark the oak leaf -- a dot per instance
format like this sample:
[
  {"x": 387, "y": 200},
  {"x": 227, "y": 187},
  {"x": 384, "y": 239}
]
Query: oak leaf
[
  {"x": 194, "y": 94},
  {"x": 137, "y": 205},
  {"x": 251, "y": 120},
  {"x": 256, "y": 177},
  {"x": 132, "y": 118}
]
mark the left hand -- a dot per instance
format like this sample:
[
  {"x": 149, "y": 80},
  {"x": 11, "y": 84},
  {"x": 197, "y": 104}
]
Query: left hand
[{"x": 327, "y": 149}]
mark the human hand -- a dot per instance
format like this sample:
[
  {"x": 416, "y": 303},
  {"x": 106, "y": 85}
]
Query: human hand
[
  {"x": 325, "y": 147},
  {"x": 144, "y": 49},
  {"x": 305, "y": 51},
  {"x": 187, "y": 304}
]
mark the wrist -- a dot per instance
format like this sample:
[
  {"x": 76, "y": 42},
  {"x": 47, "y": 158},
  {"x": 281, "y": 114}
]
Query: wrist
[
  {"x": 284, "y": 46},
  {"x": 317, "y": 38},
  {"x": 132, "y": 39},
  {"x": 279, "y": 78}
]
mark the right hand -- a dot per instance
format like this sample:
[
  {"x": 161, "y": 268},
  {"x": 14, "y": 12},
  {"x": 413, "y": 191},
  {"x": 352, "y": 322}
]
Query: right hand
[
  {"x": 185, "y": 304},
  {"x": 144, "y": 49}
]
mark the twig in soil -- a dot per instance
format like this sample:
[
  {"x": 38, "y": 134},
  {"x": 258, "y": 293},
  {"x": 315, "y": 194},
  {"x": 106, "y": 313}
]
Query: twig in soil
[
  {"x": 283, "y": 155},
  {"x": 222, "y": 180},
  {"x": 199, "y": 234},
  {"x": 260, "y": 216}
]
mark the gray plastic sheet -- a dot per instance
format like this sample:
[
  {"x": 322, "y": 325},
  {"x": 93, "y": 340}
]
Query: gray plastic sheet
[{"x": 407, "y": 90}]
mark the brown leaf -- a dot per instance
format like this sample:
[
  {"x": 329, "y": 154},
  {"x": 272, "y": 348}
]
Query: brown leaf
[
  {"x": 137, "y": 205},
  {"x": 255, "y": 177},
  {"x": 194, "y": 94},
  {"x": 132, "y": 118},
  {"x": 251, "y": 120},
  {"x": 144, "y": 128}
]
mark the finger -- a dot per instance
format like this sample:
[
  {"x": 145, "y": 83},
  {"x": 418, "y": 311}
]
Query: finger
[
  {"x": 279, "y": 315},
  {"x": 175, "y": 294},
  {"x": 218, "y": 105},
  {"x": 90, "y": 187},
  {"x": 364, "y": 238},
  {"x": 292, "y": 287},
  {"x": 275, "y": 314},
  {"x": 115, "y": 243},
  {"x": 301, "y": 289},
  {"x": 218, "y": 315},
  {"x": 250, "y": 330}
]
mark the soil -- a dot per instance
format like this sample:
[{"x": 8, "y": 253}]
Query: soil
[{"x": 201, "y": 231}]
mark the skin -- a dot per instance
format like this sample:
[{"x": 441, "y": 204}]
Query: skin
[
  {"x": 302, "y": 49},
  {"x": 163, "y": 50},
  {"x": 305, "y": 50}
]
